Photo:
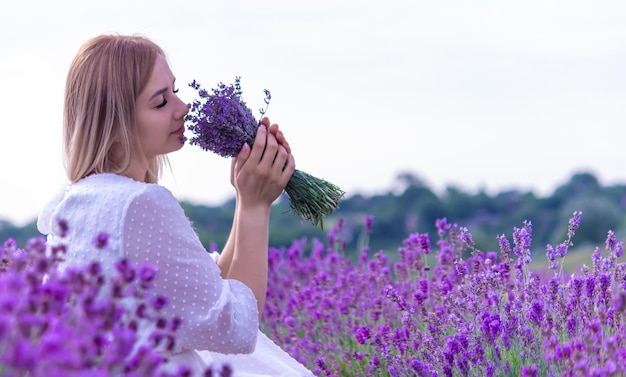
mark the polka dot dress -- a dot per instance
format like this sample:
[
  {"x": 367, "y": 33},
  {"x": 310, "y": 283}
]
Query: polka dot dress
[{"x": 145, "y": 223}]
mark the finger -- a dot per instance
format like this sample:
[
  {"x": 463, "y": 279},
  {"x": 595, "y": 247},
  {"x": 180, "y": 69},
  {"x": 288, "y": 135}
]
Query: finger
[
  {"x": 271, "y": 150},
  {"x": 260, "y": 141},
  {"x": 240, "y": 159},
  {"x": 244, "y": 153},
  {"x": 289, "y": 167},
  {"x": 280, "y": 137},
  {"x": 266, "y": 122},
  {"x": 281, "y": 158},
  {"x": 283, "y": 141}
]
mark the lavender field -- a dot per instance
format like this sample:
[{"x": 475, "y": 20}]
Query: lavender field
[
  {"x": 433, "y": 307},
  {"x": 426, "y": 311}
]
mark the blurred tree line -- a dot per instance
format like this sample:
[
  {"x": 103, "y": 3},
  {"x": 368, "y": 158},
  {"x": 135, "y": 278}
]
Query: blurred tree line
[{"x": 413, "y": 207}]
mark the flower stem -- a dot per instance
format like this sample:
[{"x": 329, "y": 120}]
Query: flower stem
[{"x": 312, "y": 198}]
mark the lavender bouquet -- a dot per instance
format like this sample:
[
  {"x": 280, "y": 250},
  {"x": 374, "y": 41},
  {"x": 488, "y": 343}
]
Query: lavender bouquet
[{"x": 222, "y": 122}]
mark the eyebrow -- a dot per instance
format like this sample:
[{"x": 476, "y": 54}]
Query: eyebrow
[{"x": 161, "y": 91}]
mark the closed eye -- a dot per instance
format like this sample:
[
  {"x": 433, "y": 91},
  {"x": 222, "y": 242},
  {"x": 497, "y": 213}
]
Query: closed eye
[{"x": 162, "y": 104}]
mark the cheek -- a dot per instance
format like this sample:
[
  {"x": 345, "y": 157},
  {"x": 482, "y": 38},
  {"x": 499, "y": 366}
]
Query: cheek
[
  {"x": 147, "y": 124},
  {"x": 145, "y": 132},
  {"x": 153, "y": 131}
]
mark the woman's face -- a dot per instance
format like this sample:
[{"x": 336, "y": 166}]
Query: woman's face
[{"x": 159, "y": 113}]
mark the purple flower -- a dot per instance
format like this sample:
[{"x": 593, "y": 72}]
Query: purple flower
[
  {"x": 574, "y": 223},
  {"x": 613, "y": 246},
  {"x": 126, "y": 270},
  {"x": 425, "y": 243},
  {"x": 101, "y": 240},
  {"x": 590, "y": 285},
  {"x": 442, "y": 226},
  {"x": 362, "y": 334},
  {"x": 222, "y": 122},
  {"x": 21, "y": 355},
  {"x": 68, "y": 324},
  {"x": 159, "y": 302},
  {"x": 37, "y": 244},
  {"x": 226, "y": 371},
  {"x": 505, "y": 245},
  {"x": 522, "y": 238},
  {"x": 61, "y": 227},
  {"x": 550, "y": 253},
  {"x": 369, "y": 222},
  {"x": 561, "y": 249},
  {"x": 537, "y": 311},
  {"x": 147, "y": 272},
  {"x": 529, "y": 371},
  {"x": 466, "y": 237}
]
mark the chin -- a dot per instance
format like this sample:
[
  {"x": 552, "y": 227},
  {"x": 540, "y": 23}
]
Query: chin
[{"x": 174, "y": 149}]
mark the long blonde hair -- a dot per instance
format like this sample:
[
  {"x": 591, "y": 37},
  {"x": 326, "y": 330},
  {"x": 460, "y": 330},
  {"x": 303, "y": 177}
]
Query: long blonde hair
[{"x": 105, "y": 79}]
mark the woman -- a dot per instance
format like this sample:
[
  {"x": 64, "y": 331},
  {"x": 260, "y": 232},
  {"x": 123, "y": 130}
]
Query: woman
[{"x": 121, "y": 117}]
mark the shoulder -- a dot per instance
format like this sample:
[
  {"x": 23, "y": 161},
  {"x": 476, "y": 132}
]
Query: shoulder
[
  {"x": 112, "y": 183},
  {"x": 106, "y": 197},
  {"x": 116, "y": 188}
]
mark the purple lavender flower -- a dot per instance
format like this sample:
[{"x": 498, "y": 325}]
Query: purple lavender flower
[
  {"x": 57, "y": 322},
  {"x": 369, "y": 223},
  {"x": 505, "y": 245},
  {"x": 590, "y": 286},
  {"x": 62, "y": 227},
  {"x": 425, "y": 243},
  {"x": 462, "y": 318},
  {"x": 222, "y": 123},
  {"x": 147, "y": 272},
  {"x": 550, "y": 253},
  {"x": 522, "y": 238},
  {"x": 537, "y": 311},
  {"x": 362, "y": 334},
  {"x": 442, "y": 226},
  {"x": 101, "y": 240},
  {"x": 466, "y": 237},
  {"x": 529, "y": 371},
  {"x": 573, "y": 224},
  {"x": 561, "y": 249},
  {"x": 615, "y": 248}
]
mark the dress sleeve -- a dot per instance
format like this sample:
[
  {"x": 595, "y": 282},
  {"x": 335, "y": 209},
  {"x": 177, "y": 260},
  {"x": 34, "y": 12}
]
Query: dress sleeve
[{"x": 217, "y": 315}]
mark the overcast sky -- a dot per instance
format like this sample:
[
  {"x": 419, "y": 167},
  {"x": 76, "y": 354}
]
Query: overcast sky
[{"x": 476, "y": 94}]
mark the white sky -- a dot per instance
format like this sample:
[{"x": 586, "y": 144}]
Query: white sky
[{"x": 480, "y": 94}]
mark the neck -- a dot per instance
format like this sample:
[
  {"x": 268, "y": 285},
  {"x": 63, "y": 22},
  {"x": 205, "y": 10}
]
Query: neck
[{"x": 138, "y": 170}]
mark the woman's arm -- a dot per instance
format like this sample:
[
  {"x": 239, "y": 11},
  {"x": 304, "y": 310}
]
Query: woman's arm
[
  {"x": 218, "y": 315},
  {"x": 260, "y": 175},
  {"x": 226, "y": 256}
]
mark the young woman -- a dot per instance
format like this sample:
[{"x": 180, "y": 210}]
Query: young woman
[{"x": 121, "y": 117}]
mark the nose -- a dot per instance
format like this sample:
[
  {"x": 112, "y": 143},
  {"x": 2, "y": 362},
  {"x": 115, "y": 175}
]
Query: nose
[{"x": 181, "y": 108}]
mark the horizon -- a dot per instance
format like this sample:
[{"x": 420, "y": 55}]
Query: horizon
[{"x": 393, "y": 188}]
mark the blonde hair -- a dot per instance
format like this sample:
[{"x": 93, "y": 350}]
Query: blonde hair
[{"x": 105, "y": 79}]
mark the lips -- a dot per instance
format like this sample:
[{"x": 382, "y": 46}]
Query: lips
[{"x": 179, "y": 131}]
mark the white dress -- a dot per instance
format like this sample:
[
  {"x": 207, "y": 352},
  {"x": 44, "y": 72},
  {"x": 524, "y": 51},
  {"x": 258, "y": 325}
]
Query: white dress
[{"x": 145, "y": 223}]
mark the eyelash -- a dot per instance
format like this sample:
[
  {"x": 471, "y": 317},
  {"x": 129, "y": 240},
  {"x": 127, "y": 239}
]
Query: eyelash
[{"x": 162, "y": 104}]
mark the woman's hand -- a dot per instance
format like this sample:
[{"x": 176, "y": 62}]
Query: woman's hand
[
  {"x": 260, "y": 174},
  {"x": 273, "y": 129}
]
